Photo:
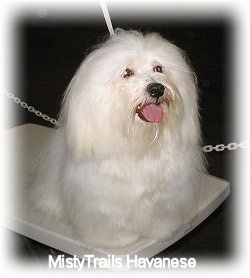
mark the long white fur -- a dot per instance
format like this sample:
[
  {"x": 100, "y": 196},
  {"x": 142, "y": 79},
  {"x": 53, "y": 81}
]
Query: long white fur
[{"x": 107, "y": 173}]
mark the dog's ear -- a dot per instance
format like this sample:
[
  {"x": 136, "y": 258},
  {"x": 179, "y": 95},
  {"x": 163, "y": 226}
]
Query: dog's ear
[
  {"x": 187, "y": 85},
  {"x": 183, "y": 76},
  {"x": 76, "y": 118}
]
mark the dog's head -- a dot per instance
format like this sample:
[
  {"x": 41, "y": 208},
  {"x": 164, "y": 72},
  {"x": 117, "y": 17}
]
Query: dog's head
[{"x": 129, "y": 93}]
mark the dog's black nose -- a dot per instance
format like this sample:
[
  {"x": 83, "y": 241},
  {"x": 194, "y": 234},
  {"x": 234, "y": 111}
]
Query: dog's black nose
[{"x": 155, "y": 90}]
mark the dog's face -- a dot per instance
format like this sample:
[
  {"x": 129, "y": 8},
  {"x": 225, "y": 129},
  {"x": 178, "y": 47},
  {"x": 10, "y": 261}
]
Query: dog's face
[
  {"x": 150, "y": 91},
  {"x": 127, "y": 94}
]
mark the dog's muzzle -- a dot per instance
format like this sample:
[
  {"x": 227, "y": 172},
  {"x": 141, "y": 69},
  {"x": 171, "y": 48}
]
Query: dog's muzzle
[
  {"x": 155, "y": 90},
  {"x": 152, "y": 112}
]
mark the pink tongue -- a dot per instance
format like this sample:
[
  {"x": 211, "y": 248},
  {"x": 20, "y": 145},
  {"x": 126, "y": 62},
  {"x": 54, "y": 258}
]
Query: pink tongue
[{"x": 152, "y": 113}]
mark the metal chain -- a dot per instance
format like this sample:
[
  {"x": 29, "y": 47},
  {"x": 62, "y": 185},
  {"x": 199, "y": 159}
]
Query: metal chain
[
  {"x": 31, "y": 109},
  {"x": 205, "y": 149},
  {"x": 222, "y": 147}
]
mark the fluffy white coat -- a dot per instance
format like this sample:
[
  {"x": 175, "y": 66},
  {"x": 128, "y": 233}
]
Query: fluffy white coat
[{"x": 111, "y": 175}]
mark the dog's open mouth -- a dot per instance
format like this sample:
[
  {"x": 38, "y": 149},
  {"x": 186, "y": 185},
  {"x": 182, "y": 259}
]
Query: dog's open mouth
[{"x": 150, "y": 112}]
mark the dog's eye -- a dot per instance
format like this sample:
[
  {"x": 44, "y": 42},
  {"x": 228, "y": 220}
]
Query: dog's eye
[
  {"x": 127, "y": 73},
  {"x": 158, "y": 69}
]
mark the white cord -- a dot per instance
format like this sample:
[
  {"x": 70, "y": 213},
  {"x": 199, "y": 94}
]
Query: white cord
[
  {"x": 107, "y": 17},
  {"x": 205, "y": 149}
]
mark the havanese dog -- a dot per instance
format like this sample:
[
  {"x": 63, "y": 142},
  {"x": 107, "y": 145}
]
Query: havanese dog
[{"x": 125, "y": 161}]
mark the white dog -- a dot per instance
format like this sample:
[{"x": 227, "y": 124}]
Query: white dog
[{"x": 125, "y": 161}]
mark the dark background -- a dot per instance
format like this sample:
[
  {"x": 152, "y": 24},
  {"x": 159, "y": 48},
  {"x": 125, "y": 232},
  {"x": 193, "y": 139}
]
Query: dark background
[{"x": 51, "y": 50}]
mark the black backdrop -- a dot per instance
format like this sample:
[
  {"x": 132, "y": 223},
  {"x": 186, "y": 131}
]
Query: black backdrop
[{"x": 49, "y": 52}]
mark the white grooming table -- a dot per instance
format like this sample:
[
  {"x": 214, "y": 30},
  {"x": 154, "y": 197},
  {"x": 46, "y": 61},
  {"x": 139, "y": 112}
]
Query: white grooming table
[{"x": 24, "y": 142}]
